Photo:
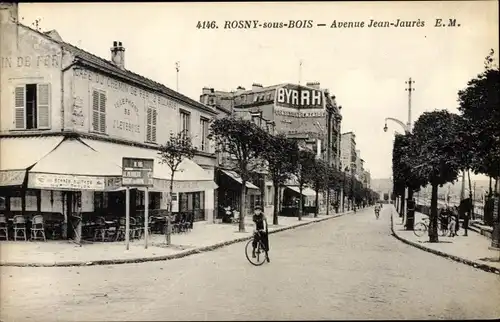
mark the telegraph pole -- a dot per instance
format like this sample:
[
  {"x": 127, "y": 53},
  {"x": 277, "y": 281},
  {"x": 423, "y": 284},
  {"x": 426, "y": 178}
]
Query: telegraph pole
[
  {"x": 177, "y": 68},
  {"x": 410, "y": 204}
]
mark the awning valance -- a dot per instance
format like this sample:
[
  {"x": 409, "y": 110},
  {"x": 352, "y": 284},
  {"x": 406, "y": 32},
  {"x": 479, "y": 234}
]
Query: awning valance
[
  {"x": 73, "y": 165},
  {"x": 19, "y": 153},
  {"x": 233, "y": 175},
  {"x": 306, "y": 191}
]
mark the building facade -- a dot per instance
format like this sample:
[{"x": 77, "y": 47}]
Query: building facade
[
  {"x": 74, "y": 116},
  {"x": 348, "y": 152},
  {"x": 306, "y": 113}
]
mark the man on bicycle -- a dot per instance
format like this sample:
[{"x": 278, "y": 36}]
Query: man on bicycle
[
  {"x": 377, "y": 210},
  {"x": 260, "y": 232}
]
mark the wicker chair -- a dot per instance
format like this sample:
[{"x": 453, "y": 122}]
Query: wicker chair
[
  {"x": 37, "y": 228},
  {"x": 19, "y": 223},
  {"x": 4, "y": 228}
]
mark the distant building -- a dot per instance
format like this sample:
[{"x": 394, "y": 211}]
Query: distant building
[
  {"x": 348, "y": 152},
  {"x": 306, "y": 113}
]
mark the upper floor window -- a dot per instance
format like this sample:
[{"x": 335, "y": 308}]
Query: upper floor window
[
  {"x": 152, "y": 116},
  {"x": 32, "y": 106},
  {"x": 204, "y": 134},
  {"x": 185, "y": 122},
  {"x": 98, "y": 111}
]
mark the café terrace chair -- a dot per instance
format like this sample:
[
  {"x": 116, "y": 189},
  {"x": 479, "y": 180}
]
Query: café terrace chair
[
  {"x": 4, "y": 228},
  {"x": 19, "y": 223},
  {"x": 37, "y": 228}
]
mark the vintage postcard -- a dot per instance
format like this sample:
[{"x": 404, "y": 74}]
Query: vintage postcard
[{"x": 225, "y": 161}]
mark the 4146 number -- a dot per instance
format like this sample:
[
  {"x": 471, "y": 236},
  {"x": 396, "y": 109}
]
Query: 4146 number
[{"x": 206, "y": 25}]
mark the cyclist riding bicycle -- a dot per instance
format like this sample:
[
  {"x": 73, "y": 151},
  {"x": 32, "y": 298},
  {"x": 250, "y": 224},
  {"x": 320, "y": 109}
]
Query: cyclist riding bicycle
[{"x": 260, "y": 232}]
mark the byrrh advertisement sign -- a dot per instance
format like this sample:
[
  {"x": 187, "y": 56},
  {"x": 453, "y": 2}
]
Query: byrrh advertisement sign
[{"x": 299, "y": 97}]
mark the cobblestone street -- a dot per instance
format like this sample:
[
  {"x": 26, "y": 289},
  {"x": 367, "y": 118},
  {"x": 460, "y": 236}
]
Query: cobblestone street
[{"x": 346, "y": 268}]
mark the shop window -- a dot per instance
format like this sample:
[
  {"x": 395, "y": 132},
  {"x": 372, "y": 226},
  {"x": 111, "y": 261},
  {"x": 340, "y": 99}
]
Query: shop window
[
  {"x": 32, "y": 106},
  {"x": 98, "y": 111}
]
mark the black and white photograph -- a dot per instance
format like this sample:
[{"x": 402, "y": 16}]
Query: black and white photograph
[{"x": 249, "y": 161}]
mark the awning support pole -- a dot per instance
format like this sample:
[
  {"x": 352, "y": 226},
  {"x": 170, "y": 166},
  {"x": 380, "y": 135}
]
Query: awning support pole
[
  {"x": 146, "y": 219},
  {"x": 127, "y": 217}
]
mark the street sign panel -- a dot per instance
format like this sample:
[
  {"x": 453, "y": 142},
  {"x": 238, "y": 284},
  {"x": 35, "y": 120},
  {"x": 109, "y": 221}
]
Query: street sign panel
[{"x": 137, "y": 172}]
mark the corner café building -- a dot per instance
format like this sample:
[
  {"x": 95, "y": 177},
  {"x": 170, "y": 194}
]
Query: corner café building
[{"x": 67, "y": 118}]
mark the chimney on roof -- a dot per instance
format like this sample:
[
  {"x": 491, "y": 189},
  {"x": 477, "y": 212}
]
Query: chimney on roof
[
  {"x": 9, "y": 12},
  {"x": 313, "y": 84},
  {"x": 118, "y": 54},
  {"x": 207, "y": 90},
  {"x": 240, "y": 90},
  {"x": 256, "y": 86}
]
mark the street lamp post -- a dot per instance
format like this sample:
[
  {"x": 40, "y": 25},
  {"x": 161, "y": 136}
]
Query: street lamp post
[{"x": 408, "y": 192}]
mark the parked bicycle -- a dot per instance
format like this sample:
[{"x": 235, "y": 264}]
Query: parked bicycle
[{"x": 422, "y": 227}]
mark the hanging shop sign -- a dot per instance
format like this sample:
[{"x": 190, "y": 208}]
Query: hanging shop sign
[
  {"x": 12, "y": 177},
  {"x": 137, "y": 172}
]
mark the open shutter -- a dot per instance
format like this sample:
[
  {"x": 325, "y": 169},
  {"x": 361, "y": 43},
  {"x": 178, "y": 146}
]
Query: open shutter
[
  {"x": 20, "y": 107},
  {"x": 149, "y": 121},
  {"x": 102, "y": 112},
  {"x": 95, "y": 111},
  {"x": 43, "y": 105},
  {"x": 153, "y": 125}
]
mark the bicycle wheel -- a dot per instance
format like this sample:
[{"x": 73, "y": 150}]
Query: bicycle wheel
[
  {"x": 260, "y": 254},
  {"x": 420, "y": 229},
  {"x": 444, "y": 232}
]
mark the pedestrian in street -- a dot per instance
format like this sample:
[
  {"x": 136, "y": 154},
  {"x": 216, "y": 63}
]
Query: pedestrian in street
[
  {"x": 466, "y": 222},
  {"x": 260, "y": 232},
  {"x": 452, "y": 226}
]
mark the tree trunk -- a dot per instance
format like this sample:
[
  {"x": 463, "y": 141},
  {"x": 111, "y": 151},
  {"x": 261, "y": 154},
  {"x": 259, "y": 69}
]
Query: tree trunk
[
  {"x": 327, "y": 201},
  {"x": 242, "y": 206},
  {"x": 471, "y": 206},
  {"x": 402, "y": 203},
  {"x": 276, "y": 203},
  {"x": 410, "y": 215},
  {"x": 300, "y": 202},
  {"x": 317, "y": 204},
  {"x": 433, "y": 223},
  {"x": 491, "y": 189}
]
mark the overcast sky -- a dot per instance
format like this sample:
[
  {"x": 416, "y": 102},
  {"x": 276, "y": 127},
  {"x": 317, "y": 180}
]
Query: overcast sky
[{"x": 366, "y": 68}]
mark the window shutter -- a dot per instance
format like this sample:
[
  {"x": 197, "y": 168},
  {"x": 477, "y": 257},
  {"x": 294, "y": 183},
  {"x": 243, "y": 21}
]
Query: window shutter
[
  {"x": 43, "y": 105},
  {"x": 95, "y": 111},
  {"x": 149, "y": 120},
  {"x": 19, "y": 107},
  {"x": 153, "y": 125},
  {"x": 102, "y": 110}
]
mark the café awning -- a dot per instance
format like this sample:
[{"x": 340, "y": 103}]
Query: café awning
[
  {"x": 306, "y": 191},
  {"x": 17, "y": 154},
  {"x": 233, "y": 175},
  {"x": 189, "y": 177},
  {"x": 73, "y": 165}
]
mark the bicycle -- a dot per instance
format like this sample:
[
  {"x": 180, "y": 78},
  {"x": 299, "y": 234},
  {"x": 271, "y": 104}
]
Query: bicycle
[
  {"x": 420, "y": 228},
  {"x": 377, "y": 213},
  {"x": 258, "y": 251}
]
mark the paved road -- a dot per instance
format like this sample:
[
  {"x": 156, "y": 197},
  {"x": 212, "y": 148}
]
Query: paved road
[{"x": 346, "y": 268}]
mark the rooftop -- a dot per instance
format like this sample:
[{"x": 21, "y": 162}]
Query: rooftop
[{"x": 85, "y": 57}]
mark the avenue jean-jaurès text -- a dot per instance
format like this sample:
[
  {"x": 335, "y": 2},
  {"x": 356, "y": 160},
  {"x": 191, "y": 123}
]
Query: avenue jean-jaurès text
[{"x": 335, "y": 24}]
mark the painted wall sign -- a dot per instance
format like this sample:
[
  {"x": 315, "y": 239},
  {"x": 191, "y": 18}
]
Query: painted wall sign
[
  {"x": 36, "y": 61},
  {"x": 66, "y": 182},
  {"x": 299, "y": 97}
]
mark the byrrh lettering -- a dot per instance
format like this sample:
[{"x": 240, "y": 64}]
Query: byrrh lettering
[{"x": 303, "y": 97}]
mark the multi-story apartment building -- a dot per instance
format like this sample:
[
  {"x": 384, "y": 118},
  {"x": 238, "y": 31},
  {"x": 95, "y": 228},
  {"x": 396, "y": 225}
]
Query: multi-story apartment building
[
  {"x": 68, "y": 117},
  {"x": 306, "y": 113},
  {"x": 348, "y": 152},
  {"x": 367, "y": 179},
  {"x": 360, "y": 163}
]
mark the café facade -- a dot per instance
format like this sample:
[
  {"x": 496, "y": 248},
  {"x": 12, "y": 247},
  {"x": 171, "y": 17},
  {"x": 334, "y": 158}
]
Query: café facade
[{"x": 68, "y": 118}]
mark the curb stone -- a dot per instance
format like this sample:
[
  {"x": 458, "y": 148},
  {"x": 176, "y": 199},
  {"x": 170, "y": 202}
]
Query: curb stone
[
  {"x": 484, "y": 267},
  {"x": 166, "y": 257}
]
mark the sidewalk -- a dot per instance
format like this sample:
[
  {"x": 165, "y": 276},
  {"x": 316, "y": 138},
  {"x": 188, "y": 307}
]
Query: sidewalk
[
  {"x": 204, "y": 237},
  {"x": 472, "y": 250}
]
